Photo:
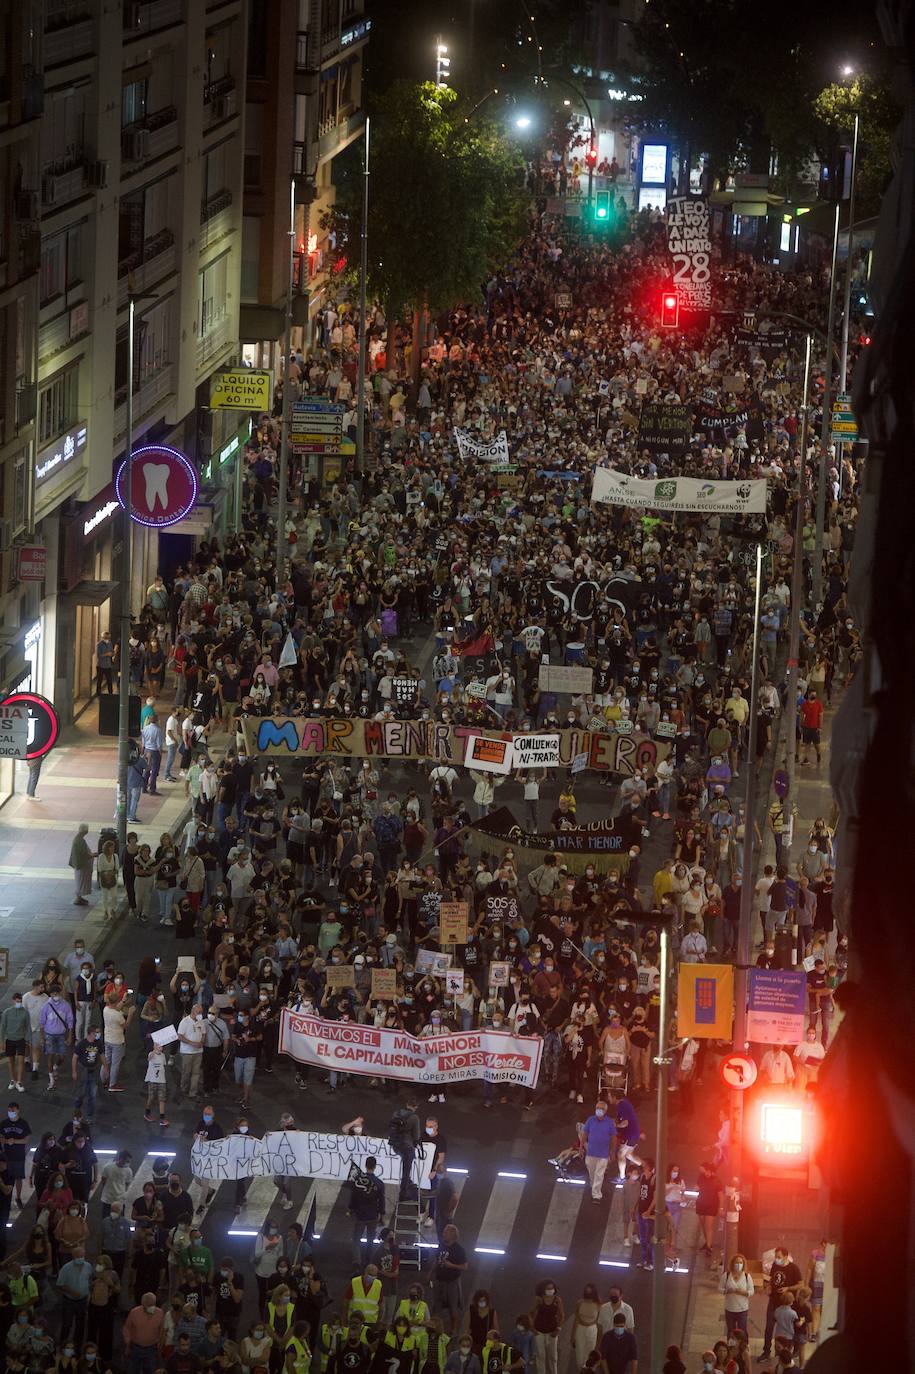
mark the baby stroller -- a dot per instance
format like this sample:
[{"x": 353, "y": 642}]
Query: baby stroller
[{"x": 613, "y": 1074}]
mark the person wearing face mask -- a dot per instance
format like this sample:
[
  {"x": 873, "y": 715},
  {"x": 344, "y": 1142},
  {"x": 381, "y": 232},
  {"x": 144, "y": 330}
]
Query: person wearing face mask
[
  {"x": 737, "y": 1286},
  {"x": 15, "y": 1134},
  {"x": 142, "y": 1335},
  {"x": 103, "y": 1300},
  {"x": 463, "y": 1360},
  {"x": 598, "y": 1137},
  {"x": 547, "y": 1316}
]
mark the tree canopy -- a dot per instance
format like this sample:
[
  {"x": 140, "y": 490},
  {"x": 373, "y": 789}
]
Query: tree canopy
[
  {"x": 836, "y": 107},
  {"x": 446, "y": 200}
]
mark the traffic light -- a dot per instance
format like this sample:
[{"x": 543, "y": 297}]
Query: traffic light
[
  {"x": 781, "y": 1129},
  {"x": 602, "y": 206},
  {"x": 670, "y": 310},
  {"x": 864, "y": 340},
  {"x": 591, "y": 157}
]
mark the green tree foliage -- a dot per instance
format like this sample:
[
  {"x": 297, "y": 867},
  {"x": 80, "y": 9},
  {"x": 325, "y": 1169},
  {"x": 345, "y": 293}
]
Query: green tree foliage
[
  {"x": 835, "y": 108},
  {"x": 446, "y": 203}
]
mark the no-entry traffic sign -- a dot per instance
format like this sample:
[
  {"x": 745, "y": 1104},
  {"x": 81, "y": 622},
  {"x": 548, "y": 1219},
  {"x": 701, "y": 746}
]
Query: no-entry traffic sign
[{"x": 738, "y": 1071}]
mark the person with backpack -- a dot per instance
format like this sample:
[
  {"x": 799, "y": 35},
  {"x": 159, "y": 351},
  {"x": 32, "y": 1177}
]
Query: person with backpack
[
  {"x": 404, "y": 1133},
  {"x": 366, "y": 1207}
]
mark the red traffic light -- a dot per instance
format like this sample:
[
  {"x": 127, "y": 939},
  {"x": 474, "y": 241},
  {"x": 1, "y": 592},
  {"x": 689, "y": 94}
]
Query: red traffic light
[
  {"x": 670, "y": 310},
  {"x": 864, "y": 340},
  {"x": 591, "y": 156}
]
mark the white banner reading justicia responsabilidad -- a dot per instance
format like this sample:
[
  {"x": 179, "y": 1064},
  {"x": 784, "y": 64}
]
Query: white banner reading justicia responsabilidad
[
  {"x": 678, "y": 493},
  {"x": 302, "y": 1154},
  {"x": 379, "y": 1052}
]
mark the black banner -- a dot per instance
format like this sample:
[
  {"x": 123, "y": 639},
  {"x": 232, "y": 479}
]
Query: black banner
[
  {"x": 665, "y": 427},
  {"x": 597, "y": 837}
]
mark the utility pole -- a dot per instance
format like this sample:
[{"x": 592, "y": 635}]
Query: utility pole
[
  {"x": 363, "y": 341},
  {"x": 281, "y": 545},
  {"x": 826, "y": 423},
  {"x": 126, "y": 594},
  {"x": 658, "y": 1239},
  {"x": 846, "y": 304},
  {"x": 744, "y": 929},
  {"x": 797, "y": 588}
]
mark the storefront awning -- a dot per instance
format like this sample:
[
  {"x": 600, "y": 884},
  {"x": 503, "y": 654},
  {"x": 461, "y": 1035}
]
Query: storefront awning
[{"x": 88, "y": 593}]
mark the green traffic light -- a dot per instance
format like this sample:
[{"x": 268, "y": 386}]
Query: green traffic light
[{"x": 601, "y": 213}]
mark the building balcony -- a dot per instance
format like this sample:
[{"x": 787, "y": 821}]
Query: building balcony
[
  {"x": 213, "y": 342},
  {"x": 219, "y": 100},
  {"x": 149, "y": 16},
  {"x": 71, "y": 38},
  {"x": 151, "y": 137},
  {"x": 335, "y": 134},
  {"x": 217, "y": 216},
  {"x": 146, "y": 397},
  {"x": 63, "y": 181},
  {"x": 153, "y": 264}
]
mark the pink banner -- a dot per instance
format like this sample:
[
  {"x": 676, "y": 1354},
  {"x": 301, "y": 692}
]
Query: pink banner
[{"x": 379, "y": 1052}]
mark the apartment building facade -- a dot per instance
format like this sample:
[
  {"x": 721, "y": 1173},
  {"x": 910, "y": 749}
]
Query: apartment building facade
[
  {"x": 304, "y": 106},
  {"x": 121, "y": 172}
]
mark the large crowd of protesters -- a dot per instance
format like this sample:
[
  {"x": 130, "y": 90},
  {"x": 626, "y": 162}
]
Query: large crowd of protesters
[{"x": 456, "y": 573}]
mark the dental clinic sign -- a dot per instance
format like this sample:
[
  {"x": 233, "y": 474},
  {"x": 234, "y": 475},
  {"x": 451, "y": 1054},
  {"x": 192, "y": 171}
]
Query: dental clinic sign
[{"x": 163, "y": 486}]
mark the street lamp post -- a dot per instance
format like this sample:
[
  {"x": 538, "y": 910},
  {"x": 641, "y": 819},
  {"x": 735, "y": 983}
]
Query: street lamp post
[
  {"x": 592, "y": 146},
  {"x": 363, "y": 342},
  {"x": 826, "y": 423},
  {"x": 281, "y": 544},
  {"x": 126, "y": 594},
  {"x": 659, "y": 1239},
  {"x": 846, "y": 303},
  {"x": 797, "y": 585}
]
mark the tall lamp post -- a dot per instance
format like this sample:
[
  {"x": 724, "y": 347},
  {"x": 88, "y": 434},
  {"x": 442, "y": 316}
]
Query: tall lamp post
[
  {"x": 281, "y": 545},
  {"x": 825, "y": 425},
  {"x": 363, "y": 342},
  {"x": 127, "y": 581}
]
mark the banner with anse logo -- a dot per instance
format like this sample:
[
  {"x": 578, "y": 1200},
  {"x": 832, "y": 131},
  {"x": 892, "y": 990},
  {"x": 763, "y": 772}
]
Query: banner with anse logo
[
  {"x": 679, "y": 493},
  {"x": 380, "y": 1052}
]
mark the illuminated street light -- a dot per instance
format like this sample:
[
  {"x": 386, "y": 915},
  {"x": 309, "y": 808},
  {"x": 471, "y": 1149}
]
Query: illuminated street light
[{"x": 522, "y": 121}]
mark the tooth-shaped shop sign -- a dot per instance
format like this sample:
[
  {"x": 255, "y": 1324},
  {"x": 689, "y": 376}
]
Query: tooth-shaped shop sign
[{"x": 163, "y": 486}]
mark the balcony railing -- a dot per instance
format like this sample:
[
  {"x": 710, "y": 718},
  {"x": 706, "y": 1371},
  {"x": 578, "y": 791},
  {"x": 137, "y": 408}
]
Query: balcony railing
[
  {"x": 148, "y": 16},
  {"x": 70, "y": 37},
  {"x": 219, "y": 100},
  {"x": 150, "y": 137},
  {"x": 64, "y": 180},
  {"x": 213, "y": 342},
  {"x": 150, "y": 393},
  {"x": 157, "y": 260},
  {"x": 215, "y": 206}
]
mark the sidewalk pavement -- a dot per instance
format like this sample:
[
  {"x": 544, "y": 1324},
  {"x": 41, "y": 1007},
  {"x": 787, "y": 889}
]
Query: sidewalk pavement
[
  {"x": 77, "y": 783},
  {"x": 790, "y": 1213}
]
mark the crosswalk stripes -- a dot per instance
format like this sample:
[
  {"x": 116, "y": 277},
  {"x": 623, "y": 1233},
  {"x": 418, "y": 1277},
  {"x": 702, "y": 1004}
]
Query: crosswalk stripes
[
  {"x": 612, "y": 1254},
  {"x": 28, "y": 1192},
  {"x": 562, "y": 1214},
  {"x": 501, "y": 1211}
]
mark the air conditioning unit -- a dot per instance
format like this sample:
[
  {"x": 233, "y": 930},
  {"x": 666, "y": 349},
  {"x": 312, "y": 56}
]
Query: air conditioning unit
[
  {"x": 224, "y": 106},
  {"x": 97, "y": 174},
  {"x": 6, "y": 535},
  {"x": 136, "y": 145},
  {"x": 26, "y": 205}
]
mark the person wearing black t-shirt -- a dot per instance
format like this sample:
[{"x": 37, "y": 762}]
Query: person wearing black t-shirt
[
  {"x": 229, "y": 1291},
  {"x": 783, "y": 1274}
]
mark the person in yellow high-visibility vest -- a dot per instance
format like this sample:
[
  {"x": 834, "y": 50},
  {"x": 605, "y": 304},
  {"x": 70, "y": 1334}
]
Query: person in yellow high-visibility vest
[
  {"x": 364, "y": 1296},
  {"x": 280, "y": 1313},
  {"x": 331, "y": 1334},
  {"x": 416, "y": 1310},
  {"x": 437, "y": 1350},
  {"x": 398, "y": 1337},
  {"x": 296, "y": 1354},
  {"x": 499, "y": 1358}
]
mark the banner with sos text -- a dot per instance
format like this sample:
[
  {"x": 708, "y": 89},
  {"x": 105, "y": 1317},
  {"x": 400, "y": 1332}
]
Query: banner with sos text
[{"x": 380, "y": 1052}]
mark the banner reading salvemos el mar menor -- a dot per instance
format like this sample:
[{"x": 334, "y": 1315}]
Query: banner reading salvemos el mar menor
[
  {"x": 300, "y": 737},
  {"x": 379, "y": 1052}
]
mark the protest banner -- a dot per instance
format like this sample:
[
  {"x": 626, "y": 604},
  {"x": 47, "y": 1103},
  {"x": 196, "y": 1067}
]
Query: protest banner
[
  {"x": 678, "y": 493},
  {"x": 428, "y": 909},
  {"x": 611, "y": 836},
  {"x": 453, "y": 918},
  {"x": 297, "y": 737},
  {"x": 340, "y": 976},
  {"x": 777, "y": 1006},
  {"x": 665, "y": 427},
  {"x": 499, "y": 973},
  {"x": 302, "y": 1154},
  {"x": 166, "y": 1036},
  {"x": 384, "y": 983},
  {"x": 488, "y": 755},
  {"x": 380, "y": 1052},
  {"x": 705, "y": 1001},
  {"x": 535, "y": 751},
  {"x": 454, "y": 982},
  {"x": 561, "y": 678},
  {"x": 494, "y": 451},
  {"x": 579, "y": 763},
  {"x": 689, "y": 244},
  {"x": 404, "y": 688},
  {"x": 434, "y": 961}
]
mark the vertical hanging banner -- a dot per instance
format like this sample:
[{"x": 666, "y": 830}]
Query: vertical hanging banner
[
  {"x": 777, "y": 1006},
  {"x": 705, "y": 1001},
  {"x": 689, "y": 244}
]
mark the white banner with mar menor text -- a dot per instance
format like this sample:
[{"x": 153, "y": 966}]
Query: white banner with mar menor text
[{"x": 379, "y": 1052}]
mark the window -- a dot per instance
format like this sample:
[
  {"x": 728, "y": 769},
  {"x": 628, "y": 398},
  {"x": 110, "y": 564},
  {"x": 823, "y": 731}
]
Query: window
[
  {"x": 134, "y": 102},
  {"x": 257, "y": 38},
  {"x": 58, "y": 405},
  {"x": 152, "y": 347},
  {"x": 250, "y": 257},
  {"x": 143, "y": 215},
  {"x": 61, "y": 262},
  {"x": 63, "y": 131},
  {"x": 214, "y": 285},
  {"x": 215, "y": 173},
  {"x": 254, "y": 138}
]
